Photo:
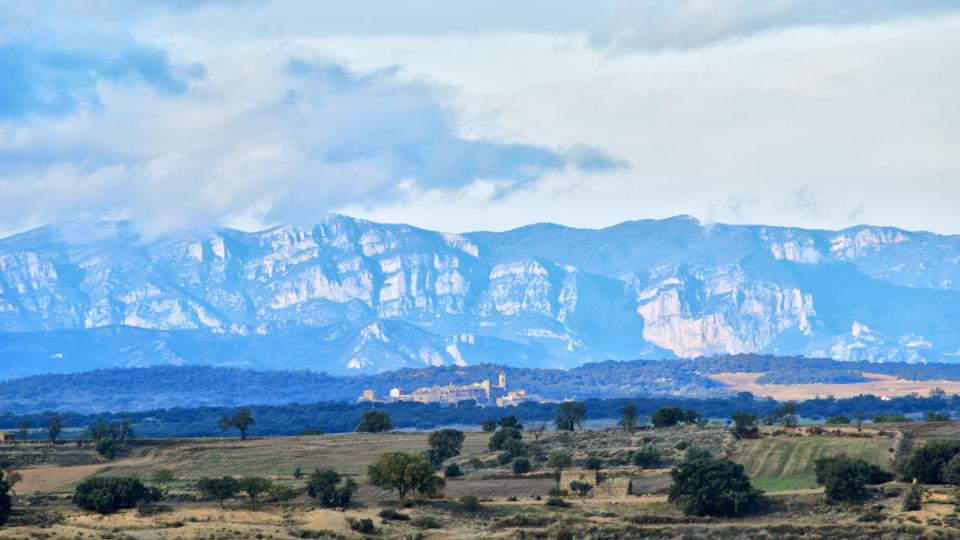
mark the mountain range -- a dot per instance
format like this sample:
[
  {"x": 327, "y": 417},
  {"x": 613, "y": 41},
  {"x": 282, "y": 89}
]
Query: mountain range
[{"x": 354, "y": 296}]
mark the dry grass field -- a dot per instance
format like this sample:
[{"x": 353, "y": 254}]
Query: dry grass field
[
  {"x": 513, "y": 506},
  {"x": 878, "y": 385}
]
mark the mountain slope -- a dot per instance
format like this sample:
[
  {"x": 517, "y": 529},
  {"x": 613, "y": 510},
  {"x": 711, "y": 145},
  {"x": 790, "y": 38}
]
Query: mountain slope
[{"x": 349, "y": 295}]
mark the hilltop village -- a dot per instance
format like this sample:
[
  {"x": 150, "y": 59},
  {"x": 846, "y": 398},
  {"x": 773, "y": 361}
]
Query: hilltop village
[{"x": 482, "y": 392}]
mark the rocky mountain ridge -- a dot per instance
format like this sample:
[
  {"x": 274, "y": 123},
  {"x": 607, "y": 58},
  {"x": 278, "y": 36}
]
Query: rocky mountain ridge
[{"x": 349, "y": 295}]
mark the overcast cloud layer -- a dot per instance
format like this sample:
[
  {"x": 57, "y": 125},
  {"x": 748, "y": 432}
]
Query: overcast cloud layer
[{"x": 485, "y": 116}]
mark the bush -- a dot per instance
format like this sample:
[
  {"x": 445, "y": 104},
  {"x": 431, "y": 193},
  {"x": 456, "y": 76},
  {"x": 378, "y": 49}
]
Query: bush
[
  {"x": 912, "y": 498},
  {"x": 363, "y": 526},
  {"x": 393, "y": 514},
  {"x": 837, "y": 420},
  {"x": 928, "y": 462},
  {"x": 504, "y": 458},
  {"x": 476, "y": 463},
  {"x": 557, "y": 502},
  {"x": 426, "y": 522},
  {"x": 498, "y": 439},
  {"x": 682, "y": 445},
  {"x": 452, "y": 471},
  {"x": 5, "y": 499},
  {"x": 667, "y": 416},
  {"x": 324, "y": 486},
  {"x": 593, "y": 463},
  {"x": 521, "y": 465},
  {"x": 107, "y": 495},
  {"x": 845, "y": 478},
  {"x": 647, "y": 458},
  {"x": 580, "y": 488},
  {"x": 514, "y": 448},
  {"x": 713, "y": 487},
  {"x": 470, "y": 503},
  {"x": 696, "y": 452}
]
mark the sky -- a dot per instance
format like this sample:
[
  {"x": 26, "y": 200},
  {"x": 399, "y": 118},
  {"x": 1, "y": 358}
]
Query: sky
[{"x": 461, "y": 116}]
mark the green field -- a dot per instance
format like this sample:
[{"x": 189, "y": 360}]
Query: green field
[{"x": 780, "y": 463}]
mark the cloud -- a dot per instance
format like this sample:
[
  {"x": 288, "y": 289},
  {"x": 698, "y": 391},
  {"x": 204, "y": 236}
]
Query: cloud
[
  {"x": 58, "y": 82},
  {"x": 266, "y": 137},
  {"x": 652, "y": 25}
]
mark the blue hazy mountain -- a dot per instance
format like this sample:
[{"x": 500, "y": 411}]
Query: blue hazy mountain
[{"x": 353, "y": 296}]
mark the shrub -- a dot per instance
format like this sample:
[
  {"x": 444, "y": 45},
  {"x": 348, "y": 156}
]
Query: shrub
[
  {"x": 504, "y": 458},
  {"x": 298, "y": 473},
  {"x": 107, "y": 495},
  {"x": 713, "y": 487},
  {"x": 498, "y": 439},
  {"x": 557, "y": 502},
  {"x": 696, "y": 452},
  {"x": 452, "y": 471},
  {"x": 324, "y": 486},
  {"x": 912, "y": 497},
  {"x": 5, "y": 499},
  {"x": 514, "y": 448},
  {"x": 884, "y": 418},
  {"x": 682, "y": 445},
  {"x": 837, "y": 420},
  {"x": 470, "y": 503},
  {"x": 393, "y": 514},
  {"x": 667, "y": 416},
  {"x": 521, "y": 465},
  {"x": 426, "y": 522},
  {"x": 647, "y": 458},
  {"x": 928, "y": 462},
  {"x": 580, "y": 488},
  {"x": 593, "y": 463},
  {"x": 363, "y": 526},
  {"x": 844, "y": 477},
  {"x": 476, "y": 463}
]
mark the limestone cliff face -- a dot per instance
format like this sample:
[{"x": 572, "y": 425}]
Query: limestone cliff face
[{"x": 385, "y": 296}]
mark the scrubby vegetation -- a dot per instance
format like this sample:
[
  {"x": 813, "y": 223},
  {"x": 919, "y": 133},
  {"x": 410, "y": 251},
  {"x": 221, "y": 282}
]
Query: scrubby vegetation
[{"x": 107, "y": 495}]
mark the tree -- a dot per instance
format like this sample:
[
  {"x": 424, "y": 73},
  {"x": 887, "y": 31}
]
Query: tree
[
  {"x": 375, "y": 422},
  {"x": 713, "y": 487},
  {"x": 558, "y": 461},
  {"x": 927, "y": 463},
  {"x": 667, "y": 416},
  {"x": 628, "y": 418},
  {"x": 786, "y": 413},
  {"x": 241, "y": 420},
  {"x": 108, "y": 494},
  {"x": 444, "y": 444},
  {"x": 844, "y": 478},
  {"x": 489, "y": 425},
  {"x": 691, "y": 417},
  {"x": 6, "y": 502},
  {"x": 510, "y": 421},
  {"x": 54, "y": 426},
  {"x": 858, "y": 419},
  {"x": 521, "y": 465},
  {"x": 580, "y": 488},
  {"x": 570, "y": 414},
  {"x": 404, "y": 473},
  {"x": 593, "y": 463},
  {"x": 324, "y": 486},
  {"x": 538, "y": 431},
  {"x": 253, "y": 486},
  {"x": 912, "y": 498},
  {"x": 220, "y": 489},
  {"x": 951, "y": 471},
  {"x": 647, "y": 457},
  {"x": 23, "y": 430},
  {"x": 744, "y": 424},
  {"x": 126, "y": 428},
  {"x": 498, "y": 439}
]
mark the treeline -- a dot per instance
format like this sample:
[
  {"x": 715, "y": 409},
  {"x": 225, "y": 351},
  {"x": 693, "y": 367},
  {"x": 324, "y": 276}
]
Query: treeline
[
  {"x": 340, "y": 417},
  {"x": 141, "y": 389}
]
